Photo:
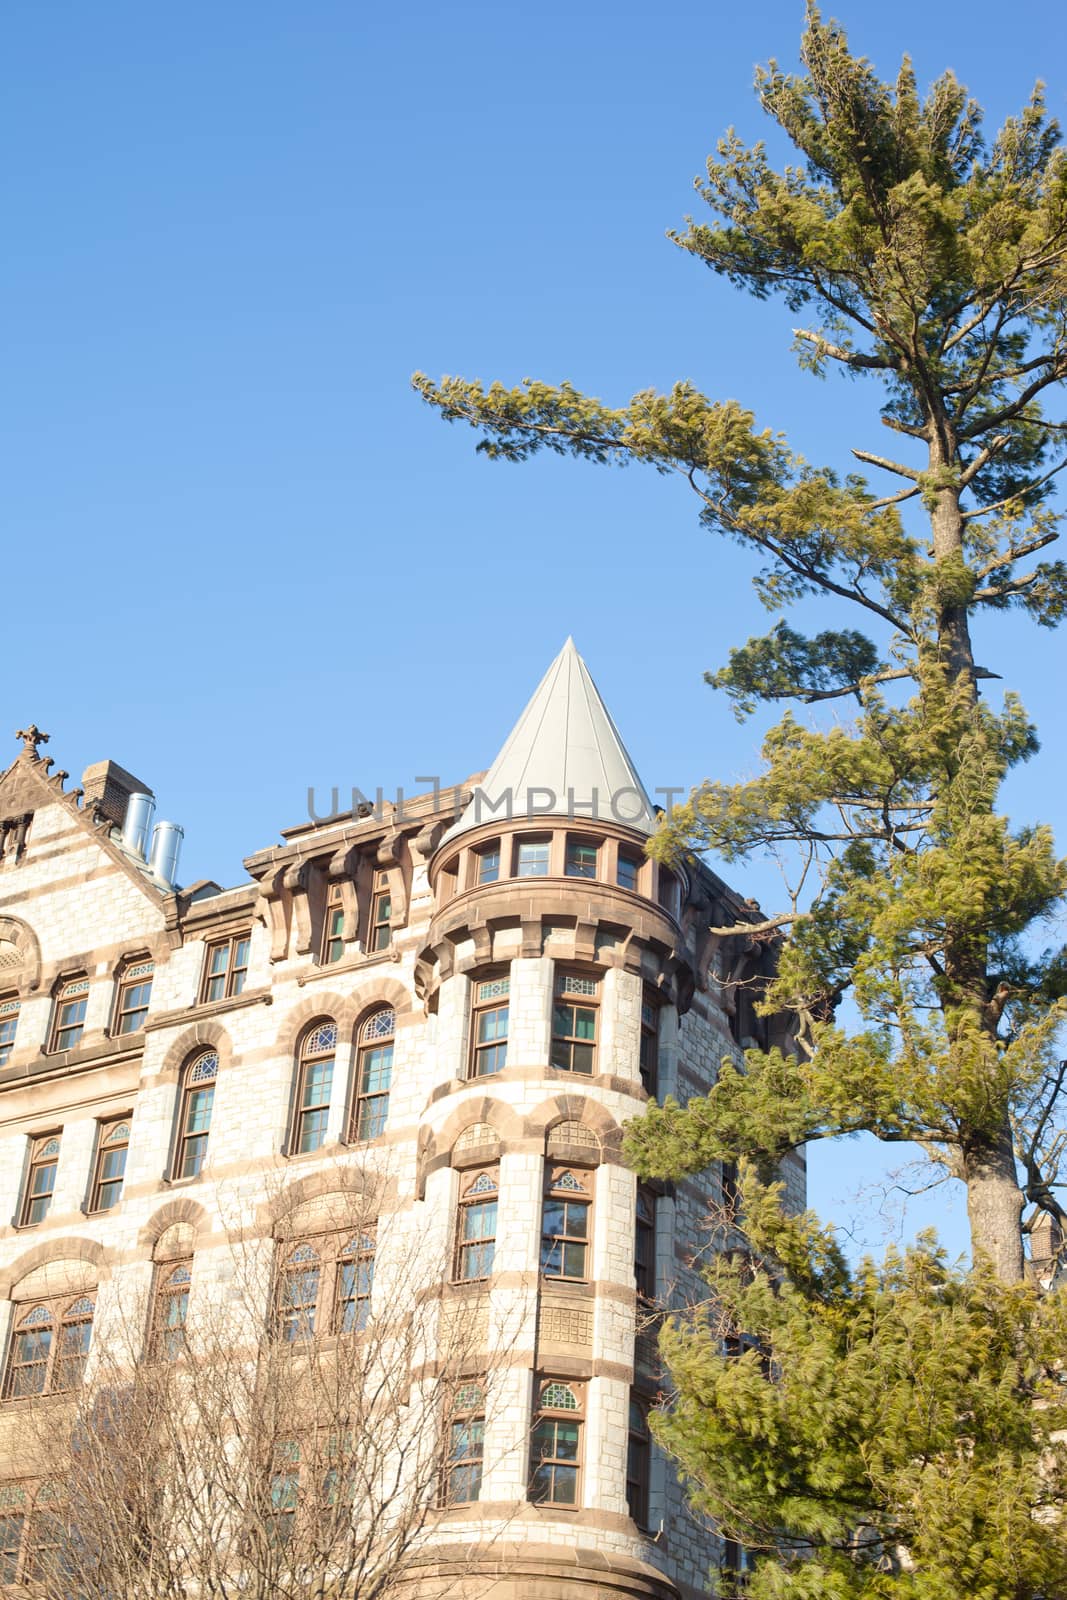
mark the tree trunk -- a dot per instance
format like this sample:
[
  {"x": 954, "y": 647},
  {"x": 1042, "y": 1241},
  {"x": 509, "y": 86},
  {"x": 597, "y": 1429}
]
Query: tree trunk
[{"x": 995, "y": 1206}]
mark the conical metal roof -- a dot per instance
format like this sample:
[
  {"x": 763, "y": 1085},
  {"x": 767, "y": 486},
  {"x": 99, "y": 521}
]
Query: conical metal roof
[{"x": 563, "y": 758}]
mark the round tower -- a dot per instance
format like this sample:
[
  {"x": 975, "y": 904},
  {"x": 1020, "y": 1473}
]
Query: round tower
[{"x": 556, "y": 972}]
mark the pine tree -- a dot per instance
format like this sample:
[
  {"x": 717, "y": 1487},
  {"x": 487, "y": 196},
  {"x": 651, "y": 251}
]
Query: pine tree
[{"x": 922, "y": 255}]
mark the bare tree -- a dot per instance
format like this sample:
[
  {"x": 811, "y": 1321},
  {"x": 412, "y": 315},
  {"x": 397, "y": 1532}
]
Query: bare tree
[{"x": 294, "y": 1439}]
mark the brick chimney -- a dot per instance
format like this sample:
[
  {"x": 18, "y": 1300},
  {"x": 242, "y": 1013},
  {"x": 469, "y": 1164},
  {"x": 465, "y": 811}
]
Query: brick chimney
[{"x": 109, "y": 787}]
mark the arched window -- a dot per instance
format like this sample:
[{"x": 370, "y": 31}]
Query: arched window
[
  {"x": 40, "y": 1179},
  {"x": 476, "y": 1225},
  {"x": 133, "y": 996},
  {"x": 170, "y": 1310},
  {"x": 355, "y": 1279},
  {"x": 49, "y": 1347},
  {"x": 374, "y": 1074},
  {"x": 314, "y": 1085},
  {"x": 197, "y": 1103},
  {"x": 298, "y": 1294}
]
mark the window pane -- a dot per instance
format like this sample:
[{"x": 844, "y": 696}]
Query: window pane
[
  {"x": 489, "y": 865},
  {"x": 581, "y": 860},
  {"x": 533, "y": 859},
  {"x": 627, "y": 871}
]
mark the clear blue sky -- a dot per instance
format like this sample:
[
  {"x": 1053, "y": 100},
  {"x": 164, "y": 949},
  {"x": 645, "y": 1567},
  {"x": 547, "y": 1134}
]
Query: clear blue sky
[{"x": 240, "y": 556}]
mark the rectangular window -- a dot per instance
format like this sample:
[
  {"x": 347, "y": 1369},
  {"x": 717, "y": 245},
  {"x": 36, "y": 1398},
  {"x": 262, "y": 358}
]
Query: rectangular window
[
  {"x": 112, "y": 1143},
  {"x": 581, "y": 859},
  {"x": 565, "y": 1230},
  {"x": 40, "y": 1179},
  {"x": 69, "y": 1019},
  {"x": 574, "y": 1023},
  {"x": 466, "y": 1446},
  {"x": 333, "y": 945},
  {"x": 135, "y": 991},
  {"x": 649, "y": 1049},
  {"x": 12, "y": 1529},
  {"x": 226, "y": 967},
  {"x": 638, "y": 1452},
  {"x": 284, "y": 1491},
  {"x": 487, "y": 864},
  {"x": 628, "y": 870},
  {"x": 555, "y": 1445},
  {"x": 9, "y": 1021},
  {"x": 668, "y": 891},
  {"x": 645, "y": 1243},
  {"x": 489, "y": 1026},
  {"x": 531, "y": 858},
  {"x": 381, "y": 931},
  {"x": 476, "y": 1226}
]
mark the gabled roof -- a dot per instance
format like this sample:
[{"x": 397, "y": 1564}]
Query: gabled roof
[{"x": 564, "y": 757}]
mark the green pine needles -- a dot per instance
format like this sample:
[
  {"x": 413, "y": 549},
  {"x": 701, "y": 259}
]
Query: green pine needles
[{"x": 890, "y": 1431}]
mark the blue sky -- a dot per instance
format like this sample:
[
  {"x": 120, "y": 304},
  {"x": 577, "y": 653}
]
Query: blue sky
[{"x": 241, "y": 557}]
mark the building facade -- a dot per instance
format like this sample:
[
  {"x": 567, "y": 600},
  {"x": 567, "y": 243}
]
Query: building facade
[{"x": 452, "y": 1006}]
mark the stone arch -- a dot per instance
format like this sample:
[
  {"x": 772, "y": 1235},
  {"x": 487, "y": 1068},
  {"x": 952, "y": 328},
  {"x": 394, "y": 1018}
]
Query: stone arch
[
  {"x": 201, "y": 1036},
  {"x": 497, "y": 1113},
  {"x": 27, "y": 973},
  {"x": 171, "y": 1215},
  {"x": 575, "y": 1108},
  {"x": 280, "y": 1215},
  {"x": 317, "y": 1008},
  {"x": 381, "y": 991},
  {"x": 85, "y": 1252}
]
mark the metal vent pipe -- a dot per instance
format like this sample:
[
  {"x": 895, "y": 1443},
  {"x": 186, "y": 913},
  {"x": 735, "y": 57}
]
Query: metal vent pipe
[
  {"x": 166, "y": 848},
  {"x": 137, "y": 823}
]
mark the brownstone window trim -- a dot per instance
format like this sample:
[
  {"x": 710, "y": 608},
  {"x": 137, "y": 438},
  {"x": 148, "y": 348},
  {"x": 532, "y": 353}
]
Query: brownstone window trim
[
  {"x": 312, "y": 1087},
  {"x": 171, "y": 1287},
  {"x": 225, "y": 966},
  {"x": 333, "y": 944},
  {"x": 490, "y": 991},
  {"x": 29, "y": 1520},
  {"x": 463, "y": 1429},
  {"x": 109, "y": 1142},
  {"x": 68, "y": 1320},
  {"x": 562, "y": 1467},
  {"x": 576, "y": 847},
  {"x": 68, "y": 1012},
  {"x": 134, "y": 977},
  {"x": 380, "y": 931},
  {"x": 333, "y": 1276},
  {"x": 44, "y": 1152},
  {"x": 372, "y": 1074},
  {"x": 477, "y": 1223},
  {"x": 575, "y": 989},
  {"x": 192, "y": 1131},
  {"x": 539, "y": 842},
  {"x": 570, "y": 1190}
]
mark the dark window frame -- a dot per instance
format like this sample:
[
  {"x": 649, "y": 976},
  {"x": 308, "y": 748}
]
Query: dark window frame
[
  {"x": 372, "y": 1078},
  {"x": 310, "y": 1117},
  {"x": 108, "y": 1144},
  {"x": 548, "y": 1420},
  {"x": 568, "y": 1040},
  {"x": 134, "y": 976},
  {"x": 226, "y": 980},
  {"x": 41, "y": 1159},
  {"x": 568, "y": 1245},
  {"x": 191, "y": 1144}
]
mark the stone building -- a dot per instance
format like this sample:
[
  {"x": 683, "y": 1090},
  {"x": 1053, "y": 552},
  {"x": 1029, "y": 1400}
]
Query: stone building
[{"x": 464, "y": 997}]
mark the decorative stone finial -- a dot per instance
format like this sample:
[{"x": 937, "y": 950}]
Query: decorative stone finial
[{"x": 31, "y": 737}]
